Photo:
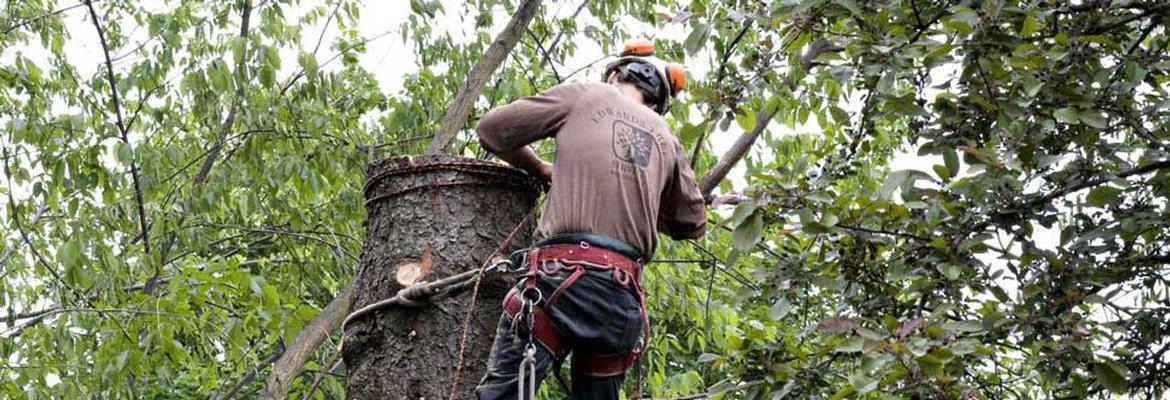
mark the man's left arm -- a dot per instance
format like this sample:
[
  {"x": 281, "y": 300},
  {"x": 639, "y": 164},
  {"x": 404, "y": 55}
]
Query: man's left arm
[{"x": 683, "y": 213}]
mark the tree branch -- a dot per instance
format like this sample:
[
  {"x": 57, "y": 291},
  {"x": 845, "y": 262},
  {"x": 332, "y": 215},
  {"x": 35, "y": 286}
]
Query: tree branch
[
  {"x": 544, "y": 54},
  {"x": 456, "y": 115},
  {"x": 331, "y": 365},
  {"x": 251, "y": 375},
  {"x": 40, "y": 17},
  {"x": 884, "y": 232},
  {"x": 230, "y": 120},
  {"x": 20, "y": 227},
  {"x": 122, "y": 128},
  {"x": 292, "y": 362},
  {"x": 561, "y": 34},
  {"x": 1151, "y": 11},
  {"x": 1151, "y": 167},
  {"x": 744, "y": 143}
]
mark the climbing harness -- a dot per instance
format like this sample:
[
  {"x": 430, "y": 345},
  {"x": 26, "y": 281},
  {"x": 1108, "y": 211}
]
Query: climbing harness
[{"x": 526, "y": 302}]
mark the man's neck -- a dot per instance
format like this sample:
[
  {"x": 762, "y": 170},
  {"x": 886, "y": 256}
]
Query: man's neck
[{"x": 630, "y": 90}]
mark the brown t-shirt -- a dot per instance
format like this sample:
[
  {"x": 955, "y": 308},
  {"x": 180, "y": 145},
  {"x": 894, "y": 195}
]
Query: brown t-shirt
[{"x": 619, "y": 171}]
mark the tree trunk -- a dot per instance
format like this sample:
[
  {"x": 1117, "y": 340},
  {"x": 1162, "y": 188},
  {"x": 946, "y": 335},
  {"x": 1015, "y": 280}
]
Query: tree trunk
[{"x": 431, "y": 217}]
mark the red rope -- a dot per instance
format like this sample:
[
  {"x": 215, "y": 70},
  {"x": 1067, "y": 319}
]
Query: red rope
[{"x": 475, "y": 295}]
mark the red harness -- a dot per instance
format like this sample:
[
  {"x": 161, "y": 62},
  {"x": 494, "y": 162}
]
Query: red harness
[{"x": 577, "y": 259}]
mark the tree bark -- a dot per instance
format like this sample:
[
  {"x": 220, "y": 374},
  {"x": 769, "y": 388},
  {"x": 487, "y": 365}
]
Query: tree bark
[
  {"x": 456, "y": 114},
  {"x": 431, "y": 217}
]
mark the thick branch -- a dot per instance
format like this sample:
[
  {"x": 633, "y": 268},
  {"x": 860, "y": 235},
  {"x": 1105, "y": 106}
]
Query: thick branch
[
  {"x": 456, "y": 115},
  {"x": 731, "y": 158},
  {"x": 230, "y": 120},
  {"x": 292, "y": 362},
  {"x": 122, "y": 128},
  {"x": 744, "y": 143}
]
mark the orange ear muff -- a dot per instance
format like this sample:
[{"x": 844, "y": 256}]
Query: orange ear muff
[
  {"x": 640, "y": 48},
  {"x": 676, "y": 75}
]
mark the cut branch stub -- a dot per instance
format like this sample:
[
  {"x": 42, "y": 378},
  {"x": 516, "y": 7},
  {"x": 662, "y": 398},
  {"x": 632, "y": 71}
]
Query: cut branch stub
[
  {"x": 429, "y": 218},
  {"x": 412, "y": 272}
]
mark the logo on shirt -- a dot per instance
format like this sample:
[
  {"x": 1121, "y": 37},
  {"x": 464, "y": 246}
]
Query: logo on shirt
[{"x": 632, "y": 144}]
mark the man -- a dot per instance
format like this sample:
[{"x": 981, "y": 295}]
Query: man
[{"x": 619, "y": 176}]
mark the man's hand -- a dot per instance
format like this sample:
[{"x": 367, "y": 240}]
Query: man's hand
[
  {"x": 544, "y": 171},
  {"x": 527, "y": 160}
]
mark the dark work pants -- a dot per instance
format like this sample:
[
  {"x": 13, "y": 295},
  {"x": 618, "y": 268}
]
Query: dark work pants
[{"x": 595, "y": 315}]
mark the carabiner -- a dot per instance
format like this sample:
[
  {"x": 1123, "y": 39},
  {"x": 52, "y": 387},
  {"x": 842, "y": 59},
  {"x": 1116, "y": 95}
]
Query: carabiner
[{"x": 527, "y": 373}]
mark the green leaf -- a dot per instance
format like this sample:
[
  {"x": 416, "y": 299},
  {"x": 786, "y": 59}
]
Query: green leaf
[
  {"x": 930, "y": 364},
  {"x": 308, "y": 63},
  {"x": 839, "y": 115},
  {"x": 852, "y": 344},
  {"x": 218, "y": 74},
  {"x": 746, "y": 121},
  {"x": 123, "y": 153},
  {"x": 892, "y": 183},
  {"x": 746, "y": 235},
  {"x": 1066, "y": 115},
  {"x": 862, "y": 382},
  {"x": 239, "y": 49},
  {"x": 120, "y": 360},
  {"x": 965, "y": 326},
  {"x": 951, "y": 271},
  {"x": 1112, "y": 376},
  {"x": 698, "y": 37},
  {"x": 69, "y": 253},
  {"x": 843, "y": 393},
  {"x": 742, "y": 211},
  {"x": 267, "y": 76},
  {"x": 780, "y": 309},
  {"x": 1032, "y": 86},
  {"x": 1094, "y": 119},
  {"x": 885, "y": 85},
  {"x": 943, "y": 172},
  {"x": 951, "y": 160},
  {"x": 1103, "y": 195}
]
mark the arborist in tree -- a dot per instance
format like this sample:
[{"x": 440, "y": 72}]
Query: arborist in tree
[{"x": 620, "y": 177}]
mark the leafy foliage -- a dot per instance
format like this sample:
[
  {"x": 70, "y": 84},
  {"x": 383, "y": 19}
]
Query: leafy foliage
[{"x": 1020, "y": 254}]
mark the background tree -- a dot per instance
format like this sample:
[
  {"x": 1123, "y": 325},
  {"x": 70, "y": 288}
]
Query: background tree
[{"x": 941, "y": 199}]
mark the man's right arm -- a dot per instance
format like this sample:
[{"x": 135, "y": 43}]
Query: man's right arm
[{"x": 506, "y": 131}]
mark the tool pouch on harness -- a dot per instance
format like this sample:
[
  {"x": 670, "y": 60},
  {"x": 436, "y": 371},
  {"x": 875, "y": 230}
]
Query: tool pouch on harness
[{"x": 559, "y": 266}]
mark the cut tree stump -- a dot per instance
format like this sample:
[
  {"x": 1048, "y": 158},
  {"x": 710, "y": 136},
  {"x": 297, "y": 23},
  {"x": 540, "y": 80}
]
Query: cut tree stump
[{"x": 430, "y": 217}]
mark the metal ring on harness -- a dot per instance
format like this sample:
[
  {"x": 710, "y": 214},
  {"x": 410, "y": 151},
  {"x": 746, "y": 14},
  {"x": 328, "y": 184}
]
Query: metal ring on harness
[{"x": 525, "y": 297}]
